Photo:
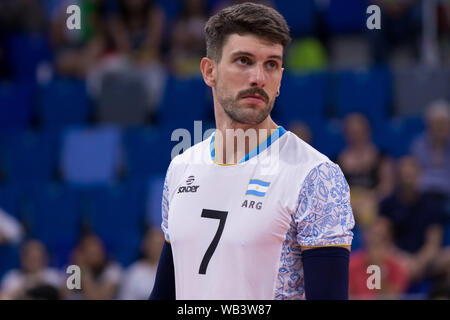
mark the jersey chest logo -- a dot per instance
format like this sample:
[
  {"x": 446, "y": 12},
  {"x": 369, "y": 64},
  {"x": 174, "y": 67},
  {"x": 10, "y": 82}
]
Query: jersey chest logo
[{"x": 188, "y": 187}]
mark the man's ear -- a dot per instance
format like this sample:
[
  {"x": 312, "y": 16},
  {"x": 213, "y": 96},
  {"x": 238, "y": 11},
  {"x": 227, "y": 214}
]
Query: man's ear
[
  {"x": 208, "y": 69},
  {"x": 278, "y": 92}
]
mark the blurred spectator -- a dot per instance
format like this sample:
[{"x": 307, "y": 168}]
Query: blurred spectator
[
  {"x": 35, "y": 279},
  {"x": 137, "y": 29},
  {"x": 139, "y": 278},
  {"x": 76, "y": 51},
  {"x": 441, "y": 276},
  {"x": 188, "y": 41},
  {"x": 432, "y": 150},
  {"x": 11, "y": 230},
  {"x": 416, "y": 220},
  {"x": 100, "y": 277},
  {"x": 5, "y": 72},
  {"x": 27, "y": 16},
  {"x": 4, "y": 68},
  {"x": 444, "y": 30},
  {"x": 379, "y": 250},
  {"x": 129, "y": 81},
  {"x": 368, "y": 172},
  {"x": 302, "y": 131},
  {"x": 126, "y": 93},
  {"x": 401, "y": 24},
  {"x": 18, "y": 17}
]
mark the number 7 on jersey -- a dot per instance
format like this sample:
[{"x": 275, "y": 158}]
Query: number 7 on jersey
[{"x": 212, "y": 214}]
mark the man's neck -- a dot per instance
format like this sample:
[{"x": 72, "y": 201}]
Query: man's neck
[{"x": 234, "y": 140}]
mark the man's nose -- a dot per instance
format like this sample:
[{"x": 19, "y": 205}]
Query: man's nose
[{"x": 257, "y": 78}]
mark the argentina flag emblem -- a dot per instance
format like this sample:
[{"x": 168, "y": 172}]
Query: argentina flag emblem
[{"x": 257, "y": 188}]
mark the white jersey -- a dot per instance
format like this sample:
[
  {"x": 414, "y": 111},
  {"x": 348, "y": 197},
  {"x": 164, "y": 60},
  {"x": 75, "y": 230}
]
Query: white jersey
[{"x": 236, "y": 230}]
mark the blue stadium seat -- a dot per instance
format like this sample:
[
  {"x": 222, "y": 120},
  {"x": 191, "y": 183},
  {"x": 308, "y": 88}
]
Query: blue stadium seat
[
  {"x": 446, "y": 240},
  {"x": 5, "y": 138},
  {"x": 184, "y": 101},
  {"x": 52, "y": 5},
  {"x": 154, "y": 198},
  {"x": 301, "y": 16},
  {"x": 395, "y": 136},
  {"x": 418, "y": 290},
  {"x": 25, "y": 52},
  {"x": 413, "y": 126},
  {"x": 346, "y": 17},
  {"x": 54, "y": 216},
  {"x": 11, "y": 197},
  {"x": 416, "y": 88},
  {"x": 358, "y": 240},
  {"x": 31, "y": 157},
  {"x": 171, "y": 9},
  {"x": 9, "y": 258},
  {"x": 387, "y": 136},
  {"x": 63, "y": 102},
  {"x": 91, "y": 156},
  {"x": 15, "y": 105},
  {"x": 369, "y": 93},
  {"x": 303, "y": 97},
  {"x": 147, "y": 152},
  {"x": 328, "y": 139},
  {"x": 117, "y": 216}
]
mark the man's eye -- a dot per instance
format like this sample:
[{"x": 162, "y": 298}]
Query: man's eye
[
  {"x": 243, "y": 60},
  {"x": 272, "y": 65}
]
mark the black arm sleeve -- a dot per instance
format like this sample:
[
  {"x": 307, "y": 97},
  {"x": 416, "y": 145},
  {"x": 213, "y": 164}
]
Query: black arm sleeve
[
  {"x": 164, "y": 288},
  {"x": 326, "y": 273}
]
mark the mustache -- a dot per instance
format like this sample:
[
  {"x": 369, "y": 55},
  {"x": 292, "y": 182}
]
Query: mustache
[{"x": 253, "y": 91}]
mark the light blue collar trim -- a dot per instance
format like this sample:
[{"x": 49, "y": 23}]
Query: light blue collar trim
[{"x": 256, "y": 151}]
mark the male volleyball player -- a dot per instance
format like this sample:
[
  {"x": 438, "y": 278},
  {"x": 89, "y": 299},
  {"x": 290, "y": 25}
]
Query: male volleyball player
[{"x": 266, "y": 219}]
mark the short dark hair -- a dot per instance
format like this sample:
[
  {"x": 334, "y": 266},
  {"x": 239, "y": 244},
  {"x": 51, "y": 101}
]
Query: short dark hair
[{"x": 246, "y": 18}]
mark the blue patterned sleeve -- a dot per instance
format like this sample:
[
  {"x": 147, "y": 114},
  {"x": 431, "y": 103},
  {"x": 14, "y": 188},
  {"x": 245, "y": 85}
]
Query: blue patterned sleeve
[
  {"x": 324, "y": 215},
  {"x": 165, "y": 210}
]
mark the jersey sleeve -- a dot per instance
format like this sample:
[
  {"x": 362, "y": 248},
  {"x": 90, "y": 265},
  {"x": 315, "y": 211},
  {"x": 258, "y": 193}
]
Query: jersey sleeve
[
  {"x": 324, "y": 216},
  {"x": 165, "y": 209}
]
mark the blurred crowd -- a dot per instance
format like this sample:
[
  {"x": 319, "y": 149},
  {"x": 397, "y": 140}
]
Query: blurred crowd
[
  {"x": 125, "y": 54},
  {"x": 401, "y": 208},
  {"x": 99, "y": 277}
]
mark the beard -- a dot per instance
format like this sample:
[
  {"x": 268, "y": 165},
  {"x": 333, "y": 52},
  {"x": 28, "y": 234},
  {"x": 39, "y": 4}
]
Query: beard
[{"x": 241, "y": 112}]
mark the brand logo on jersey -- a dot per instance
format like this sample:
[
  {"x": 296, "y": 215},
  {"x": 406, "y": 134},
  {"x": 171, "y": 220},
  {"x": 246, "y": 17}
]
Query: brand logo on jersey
[
  {"x": 190, "y": 180},
  {"x": 188, "y": 187},
  {"x": 257, "y": 188}
]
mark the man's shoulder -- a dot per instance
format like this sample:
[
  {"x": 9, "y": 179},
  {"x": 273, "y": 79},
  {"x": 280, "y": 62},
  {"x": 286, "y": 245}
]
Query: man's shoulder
[
  {"x": 298, "y": 154},
  {"x": 197, "y": 154}
]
